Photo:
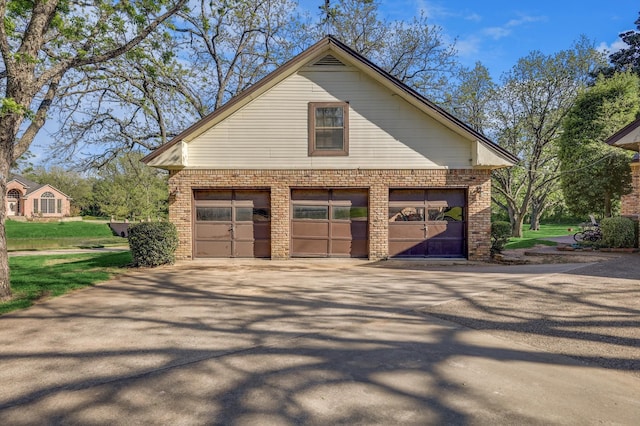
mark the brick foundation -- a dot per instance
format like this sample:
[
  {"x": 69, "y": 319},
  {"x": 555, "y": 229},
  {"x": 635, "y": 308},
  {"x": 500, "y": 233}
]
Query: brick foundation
[{"x": 477, "y": 182}]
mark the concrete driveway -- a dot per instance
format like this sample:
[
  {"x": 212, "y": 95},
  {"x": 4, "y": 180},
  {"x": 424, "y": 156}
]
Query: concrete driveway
[{"x": 299, "y": 342}]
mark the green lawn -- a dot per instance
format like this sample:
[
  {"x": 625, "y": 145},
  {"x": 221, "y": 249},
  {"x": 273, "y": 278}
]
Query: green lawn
[
  {"x": 36, "y": 277},
  {"x": 48, "y": 235},
  {"x": 532, "y": 238}
]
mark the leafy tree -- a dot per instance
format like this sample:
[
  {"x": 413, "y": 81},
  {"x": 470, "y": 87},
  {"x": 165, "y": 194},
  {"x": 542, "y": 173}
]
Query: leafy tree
[
  {"x": 627, "y": 58},
  {"x": 595, "y": 174},
  {"x": 469, "y": 100},
  {"x": 528, "y": 111},
  {"x": 40, "y": 42},
  {"x": 127, "y": 188}
]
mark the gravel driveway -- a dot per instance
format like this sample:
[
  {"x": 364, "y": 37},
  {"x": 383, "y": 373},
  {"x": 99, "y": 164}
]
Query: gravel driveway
[{"x": 311, "y": 342}]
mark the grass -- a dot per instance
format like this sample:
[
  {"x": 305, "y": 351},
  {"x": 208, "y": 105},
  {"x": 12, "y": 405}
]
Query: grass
[
  {"x": 49, "y": 235},
  {"x": 532, "y": 238},
  {"x": 34, "y": 278}
]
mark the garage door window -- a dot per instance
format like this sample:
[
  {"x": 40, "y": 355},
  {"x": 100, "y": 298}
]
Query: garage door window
[
  {"x": 406, "y": 214},
  {"x": 311, "y": 212},
  {"x": 349, "y": 213},
  {"x": 213, "y": 214},
  {"x": 248, "y": 214}
]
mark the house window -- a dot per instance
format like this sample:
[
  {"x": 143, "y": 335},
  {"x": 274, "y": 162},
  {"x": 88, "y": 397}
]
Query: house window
[
  {"x": 328, "y": 128},
  {"x": 47, "y": 203}
]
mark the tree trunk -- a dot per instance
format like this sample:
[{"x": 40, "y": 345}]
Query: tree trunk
[
  {"x": 608, "y": 205},
  {"x": 516, "y": 225},
  {"x": 535, "y": 219},
  {"x": 6, "y": 152}
]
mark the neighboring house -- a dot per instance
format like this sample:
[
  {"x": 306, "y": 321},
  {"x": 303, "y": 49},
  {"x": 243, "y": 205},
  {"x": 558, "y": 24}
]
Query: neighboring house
[
  {"x": 629, "y": 138},
  {"x": 330, "y": 156},
  {"x": 30, "y": 199}
]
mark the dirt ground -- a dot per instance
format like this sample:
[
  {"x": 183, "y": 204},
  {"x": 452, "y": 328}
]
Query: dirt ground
[{"x": 544, "y": 254}]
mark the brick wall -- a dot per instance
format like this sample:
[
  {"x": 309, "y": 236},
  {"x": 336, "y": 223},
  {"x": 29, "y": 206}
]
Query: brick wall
[
  {"x": 477, "y": 182},
  {"x": 631, "y": 202}
]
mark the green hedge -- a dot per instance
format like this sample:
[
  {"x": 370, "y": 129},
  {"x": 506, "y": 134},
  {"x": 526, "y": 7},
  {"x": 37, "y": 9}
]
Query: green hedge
[
  {"x": 153, "y": 243},
  {"x": 618, "y": 232},
  {"x": 500, "y": 234}
]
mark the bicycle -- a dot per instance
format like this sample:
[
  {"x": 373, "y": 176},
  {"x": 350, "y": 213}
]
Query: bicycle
[{"x": 593, "y": 235}]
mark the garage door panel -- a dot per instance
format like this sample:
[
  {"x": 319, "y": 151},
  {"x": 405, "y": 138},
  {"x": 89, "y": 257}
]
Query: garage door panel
[
  {"x": 427, "y": 222},
  {"x": 252, "y": 249},
  {"x": 407, "y": 230},
  {"x": 213, "y": 231},
  {"x": 349, "y": 248},
  {"x": 309, "y": 247},
  {"x": 310, "y": 194},
  {"x": 253, "y": 198},
  {"x": 449, "y": 197},
  {"x": 408, "y": 248},
  {"x": 346, "y": 230},
  {"x": 213, "y": 194},
  {"x": 262, "y": 248},
  {"x": 445, "y": 247},
  {"x": 213, "y": 249},
  {"x": 232, "y": 223},
  {"x": 353, "y": 197},
  {"x": 446, "y": 230},
  {"x": 329, "y": 222},
  {"x": 302, "y": 229},
  {"x": 406, "y": 195}
]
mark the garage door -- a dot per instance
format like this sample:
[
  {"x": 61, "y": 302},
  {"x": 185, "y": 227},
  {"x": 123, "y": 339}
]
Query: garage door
[
  {"x": 427, "y": 223},
  {"x": 232, "y": 223},
  {"x": 329, "y": 222}
]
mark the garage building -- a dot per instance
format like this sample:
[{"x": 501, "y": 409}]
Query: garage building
[{"x": 330, "y": 156}]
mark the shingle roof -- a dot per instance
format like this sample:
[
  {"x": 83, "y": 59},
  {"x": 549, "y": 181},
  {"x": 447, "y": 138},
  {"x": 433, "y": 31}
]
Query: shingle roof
[{"x": 29, "y": 185}]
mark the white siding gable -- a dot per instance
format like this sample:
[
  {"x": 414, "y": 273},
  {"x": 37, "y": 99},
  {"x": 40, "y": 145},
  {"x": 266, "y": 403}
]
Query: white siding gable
[{"x": 386, "y": 132}]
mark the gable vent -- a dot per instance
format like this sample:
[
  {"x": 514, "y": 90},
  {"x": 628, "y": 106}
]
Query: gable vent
[{"x": 329, "y": 60}]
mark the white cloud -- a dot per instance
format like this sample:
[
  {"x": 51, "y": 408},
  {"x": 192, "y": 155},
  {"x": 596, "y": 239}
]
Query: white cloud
[
  {"x": 525, "y": 19},
  {"x": 613, "y": 47},
  {"x": 474, "y": 17},
  {"x": 468, "y": 47},
  {"x": 496, "y": 33},
  {"x": 499, "y": 32}
]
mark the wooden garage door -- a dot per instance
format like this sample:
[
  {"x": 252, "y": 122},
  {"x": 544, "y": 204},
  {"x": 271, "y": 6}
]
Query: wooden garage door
[
  {"x": 232, "y": 223},
  {"x": 427, "y": 223},
  {"x": 329, "y": 223}
]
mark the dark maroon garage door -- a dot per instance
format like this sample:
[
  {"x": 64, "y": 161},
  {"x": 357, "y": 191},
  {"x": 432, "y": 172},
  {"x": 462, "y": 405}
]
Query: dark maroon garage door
[
  {"x": 427, "y": 223},
  {"x": 232, "y": 223},
  {"x": 329, "y": 222}
]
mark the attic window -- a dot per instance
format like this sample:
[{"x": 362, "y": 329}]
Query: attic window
[
  {"x": 328, "y": 128},
  {"x": 329, "y": 60}
]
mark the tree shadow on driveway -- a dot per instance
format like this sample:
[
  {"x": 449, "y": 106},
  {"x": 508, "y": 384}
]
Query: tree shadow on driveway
[{"x": 293, "y": 345}]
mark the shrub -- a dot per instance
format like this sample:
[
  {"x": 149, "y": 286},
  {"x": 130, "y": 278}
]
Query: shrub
[
  {"x": 153, "y": 243},
  {"x": 617, "y": 232},
  {"x": 500, "y": 233}
]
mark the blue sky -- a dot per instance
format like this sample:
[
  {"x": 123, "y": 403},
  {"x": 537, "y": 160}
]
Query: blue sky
[{"x": 499, "y": 32}]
